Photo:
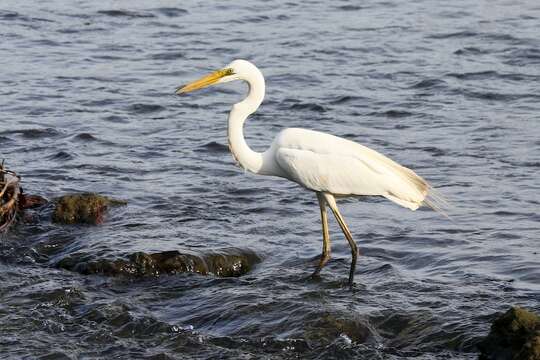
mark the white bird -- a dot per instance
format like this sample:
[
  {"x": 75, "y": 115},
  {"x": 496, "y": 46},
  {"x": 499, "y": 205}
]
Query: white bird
[{"x": 328, "y": 165}]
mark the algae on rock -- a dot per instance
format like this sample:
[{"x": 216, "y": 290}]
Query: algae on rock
[
  {"x": 515, "y": 335},
  {"x": 228, "y": 262},
  {"x": 85, "y": 208}
]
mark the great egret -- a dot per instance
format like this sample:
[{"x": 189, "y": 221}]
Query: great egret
[{"x": 329, "y": 165}]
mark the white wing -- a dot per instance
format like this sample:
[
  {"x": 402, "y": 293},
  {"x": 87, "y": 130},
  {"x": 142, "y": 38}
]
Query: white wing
[{"x": 324, "y": 162}]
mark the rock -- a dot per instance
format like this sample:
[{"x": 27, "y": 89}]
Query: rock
[
  {"x": 86, "y": 208},
  {"x": 230, "y": 262},
  {"x": 330, "y": 326},
  {"x": 31, "y": 201},
  {"x": 515, "y": 335}
]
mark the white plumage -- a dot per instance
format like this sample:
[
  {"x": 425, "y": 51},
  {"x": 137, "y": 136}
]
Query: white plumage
[{"x": 329, "y": 165}]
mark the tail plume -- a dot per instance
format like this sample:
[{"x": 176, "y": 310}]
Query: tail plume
[{"x": 435, "y": 200}]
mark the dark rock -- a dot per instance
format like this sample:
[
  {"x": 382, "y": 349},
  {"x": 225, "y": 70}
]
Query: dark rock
[
  {"x": 86, "y": 208},
  {"x": 332, "y": 326},
  {"x": 515, "y": 335},
  {"x": 230, "y": 262},
  {"x": 31, "y": 201}
]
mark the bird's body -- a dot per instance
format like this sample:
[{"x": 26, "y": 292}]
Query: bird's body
[{"x": 329, "y": 165}]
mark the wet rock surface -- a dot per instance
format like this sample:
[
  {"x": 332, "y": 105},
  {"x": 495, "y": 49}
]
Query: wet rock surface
[
  {"x": 332, "y": 326},
  {"x": 86, "y": 208},
  {"x": 31, "y": 201},
  {"x": 230, "y": 262},
  {"x": 515, "y": 335}
]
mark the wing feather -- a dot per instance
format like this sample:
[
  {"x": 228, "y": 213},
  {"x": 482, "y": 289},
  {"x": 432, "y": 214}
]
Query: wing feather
[{"x": 324, "y": 162}]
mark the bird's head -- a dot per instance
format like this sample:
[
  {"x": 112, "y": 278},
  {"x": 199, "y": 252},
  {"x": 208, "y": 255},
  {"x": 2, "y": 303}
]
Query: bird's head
[{"x": 236, "y": 70}]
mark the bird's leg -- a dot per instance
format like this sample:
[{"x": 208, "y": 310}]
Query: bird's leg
[
  {"x": 331, "y": 201},
  {"x": 325, "y": 256}
]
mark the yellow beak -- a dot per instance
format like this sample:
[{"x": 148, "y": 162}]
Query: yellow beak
[{"x": 203, "y": 82}]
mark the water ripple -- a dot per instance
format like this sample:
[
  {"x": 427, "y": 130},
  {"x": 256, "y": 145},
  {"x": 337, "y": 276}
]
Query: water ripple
[{"x": 449, "y": 90}]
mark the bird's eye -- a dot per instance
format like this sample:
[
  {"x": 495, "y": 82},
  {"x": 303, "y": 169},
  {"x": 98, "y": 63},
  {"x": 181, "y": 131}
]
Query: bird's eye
[{"x": 229, "y": 71}]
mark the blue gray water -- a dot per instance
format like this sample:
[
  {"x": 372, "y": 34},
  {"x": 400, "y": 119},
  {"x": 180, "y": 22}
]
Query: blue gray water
[{"x": 449, "y": 89}]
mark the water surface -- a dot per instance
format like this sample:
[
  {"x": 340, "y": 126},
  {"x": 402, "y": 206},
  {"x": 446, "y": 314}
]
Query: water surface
[{"x": 448, "y": 89}]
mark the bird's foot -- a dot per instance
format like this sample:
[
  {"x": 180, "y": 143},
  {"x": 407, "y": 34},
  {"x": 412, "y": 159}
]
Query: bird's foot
[
  {"x": 316, "y": 273},
  {"x": 314, "y": 276}
]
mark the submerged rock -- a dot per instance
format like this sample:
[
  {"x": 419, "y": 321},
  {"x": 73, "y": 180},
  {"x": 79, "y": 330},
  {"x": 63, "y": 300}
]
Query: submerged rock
[
  {"x": 86, "y": 208},
  {"x": 515, "y": 335},
  {"x": 31, "y": 201},
  {"x": 231, "y": 262},
  {"x": 330, "y": 327}
]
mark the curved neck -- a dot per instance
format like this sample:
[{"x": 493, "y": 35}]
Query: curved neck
[{"x": 244, "y": 155}]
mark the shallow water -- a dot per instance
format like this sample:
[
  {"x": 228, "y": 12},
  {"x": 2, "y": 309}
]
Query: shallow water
[{"x": 450, "y": 90}]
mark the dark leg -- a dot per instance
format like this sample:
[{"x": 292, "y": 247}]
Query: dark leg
[
  {"x": 325, "y": 256},
  {"x": 330, "y": 200}
]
